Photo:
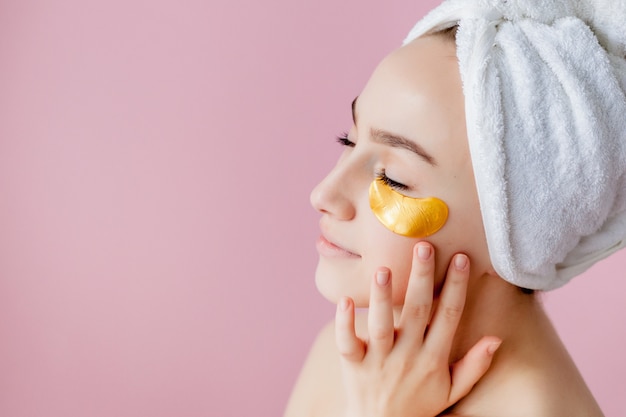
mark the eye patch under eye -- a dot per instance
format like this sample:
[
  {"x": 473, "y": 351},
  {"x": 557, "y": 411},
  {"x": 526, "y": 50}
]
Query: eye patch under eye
[{"x": 406, "y": 216}]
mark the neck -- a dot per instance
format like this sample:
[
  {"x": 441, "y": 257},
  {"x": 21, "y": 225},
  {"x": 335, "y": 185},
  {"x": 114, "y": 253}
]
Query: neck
[
  {"x": 493, "y": 307},
  {"x": 496, "y": 308}
]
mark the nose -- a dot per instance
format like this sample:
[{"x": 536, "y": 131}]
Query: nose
[{"x": 332, "y": 196}]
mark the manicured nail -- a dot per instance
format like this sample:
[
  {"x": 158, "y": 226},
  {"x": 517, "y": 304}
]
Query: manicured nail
[
  {"x": 382, "y": 277},
  {"x": 423, "y": 251},
  {"x": 491, "y": 349},
  {"x": 460, "y": 261},
  {"x": 344, "y": 304}
]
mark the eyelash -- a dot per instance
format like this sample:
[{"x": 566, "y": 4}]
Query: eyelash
[
  {"x": 343, "y": 140},
  {"x": 382, "y": 176}
]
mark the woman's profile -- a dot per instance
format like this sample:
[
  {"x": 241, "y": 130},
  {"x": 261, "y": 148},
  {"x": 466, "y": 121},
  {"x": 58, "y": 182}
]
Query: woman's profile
[{"x": 486, "y": 161}]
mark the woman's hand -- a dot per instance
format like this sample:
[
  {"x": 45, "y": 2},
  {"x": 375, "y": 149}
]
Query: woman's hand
[{"x": 404, "y": 371}]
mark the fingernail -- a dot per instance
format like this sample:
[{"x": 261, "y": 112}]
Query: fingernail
[
  {"x": 382, "y": 277},
  {"x": 423, "y": 251},
  {"x": 491, "y": 349},
  {"x": 460, "y": 261},
  {"x": 344, "y": 304}
]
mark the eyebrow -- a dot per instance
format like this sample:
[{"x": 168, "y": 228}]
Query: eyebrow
[{"x": 395, "y": 141}]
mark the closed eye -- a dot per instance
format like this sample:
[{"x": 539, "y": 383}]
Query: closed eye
[
  {"x": 382, "y": 176},
  {"x": 344, "y": 141}
]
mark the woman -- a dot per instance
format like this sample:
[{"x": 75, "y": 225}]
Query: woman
[{"x": 504, "y": 149}]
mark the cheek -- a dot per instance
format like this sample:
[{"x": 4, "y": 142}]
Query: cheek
[
  {"x": 463, "y": 233},
  {"x": 394, "y": 252}
]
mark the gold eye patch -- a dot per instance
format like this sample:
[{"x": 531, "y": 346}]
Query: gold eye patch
[{"x": 406, "y": 216}]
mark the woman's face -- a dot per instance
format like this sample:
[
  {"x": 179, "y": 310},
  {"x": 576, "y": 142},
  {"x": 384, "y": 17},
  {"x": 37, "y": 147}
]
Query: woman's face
[{"x": 409, "y": 122}]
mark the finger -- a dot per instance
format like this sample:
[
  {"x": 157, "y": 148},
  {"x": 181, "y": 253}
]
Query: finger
[
  {"x": 350, "y": 347},
  {"x": 469, "y": 369},
  {"x": 418, "y": 300},
  {"x": 380, "y": 318},
  {"x": 450, "y": 308}
]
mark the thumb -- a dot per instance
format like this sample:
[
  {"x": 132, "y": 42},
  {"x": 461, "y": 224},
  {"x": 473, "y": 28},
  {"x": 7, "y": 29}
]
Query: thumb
[{"x": 470, "y": 368}]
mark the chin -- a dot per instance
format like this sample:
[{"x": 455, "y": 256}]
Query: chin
[
  {"x": 333, "y": 285},
  {"x": 324, "y": 286}
]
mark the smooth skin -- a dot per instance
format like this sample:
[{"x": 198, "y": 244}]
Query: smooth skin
[
  {"x": 377, "y": 371},
  {"x": 355, "y": 367},
  {"x": 385, "y": 364}
]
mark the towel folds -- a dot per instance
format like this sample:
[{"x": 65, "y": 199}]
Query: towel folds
[{"x": 544, "y": 84}]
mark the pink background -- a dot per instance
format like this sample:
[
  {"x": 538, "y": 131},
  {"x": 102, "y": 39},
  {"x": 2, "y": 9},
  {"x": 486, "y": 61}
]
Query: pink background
[{"x": 156, "y": 241}]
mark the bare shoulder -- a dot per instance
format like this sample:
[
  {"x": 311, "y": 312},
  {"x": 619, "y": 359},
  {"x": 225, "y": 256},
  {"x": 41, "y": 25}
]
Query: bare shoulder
[
  {"x": 548, "y": 386},
  {"x": 318, "y": 388}
]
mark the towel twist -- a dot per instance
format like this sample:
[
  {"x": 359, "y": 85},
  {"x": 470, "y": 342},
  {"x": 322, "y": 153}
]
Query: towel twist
[{"x": 544, "y": 84}]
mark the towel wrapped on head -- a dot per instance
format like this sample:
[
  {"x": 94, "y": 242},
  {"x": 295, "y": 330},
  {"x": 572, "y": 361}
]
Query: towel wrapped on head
[{"x": 545, "y": 98}]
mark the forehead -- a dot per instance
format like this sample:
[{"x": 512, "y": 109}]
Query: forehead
[
  {"x": 428, "y": 63},
  {"x": 416, "y": 92}
]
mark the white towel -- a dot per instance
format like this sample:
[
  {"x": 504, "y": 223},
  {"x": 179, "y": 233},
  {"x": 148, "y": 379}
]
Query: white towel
[{"x": 544, "y": 84}]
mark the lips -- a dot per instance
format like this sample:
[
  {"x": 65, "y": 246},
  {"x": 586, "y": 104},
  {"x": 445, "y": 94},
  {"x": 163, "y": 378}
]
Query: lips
[{"x": 331, "y": 250}]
